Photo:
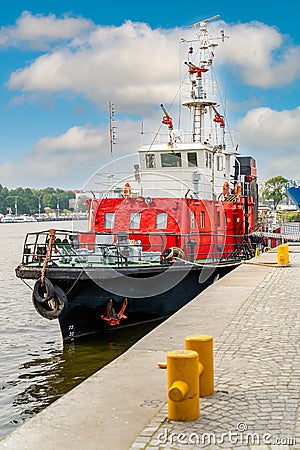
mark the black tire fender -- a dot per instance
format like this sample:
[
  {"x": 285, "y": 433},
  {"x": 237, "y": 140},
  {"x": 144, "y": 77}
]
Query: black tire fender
[
  {"x": 52, "y": 308},
  {"x": 43, "y": 291}
]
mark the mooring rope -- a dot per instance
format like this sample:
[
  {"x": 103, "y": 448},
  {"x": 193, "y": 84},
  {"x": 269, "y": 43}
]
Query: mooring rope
[
  {"x": 48, "y": 254},
  {"x": 267, "y": 264},
  {"x": 28, "y": 285},
  {"x": 207, "y": 263}
]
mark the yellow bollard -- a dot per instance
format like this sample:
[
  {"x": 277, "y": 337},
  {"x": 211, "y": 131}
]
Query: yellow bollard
[
  {"x": 283, "y": 254},
  {"x": 183, "y": 385},
  {"x": 203, "y": 345}
]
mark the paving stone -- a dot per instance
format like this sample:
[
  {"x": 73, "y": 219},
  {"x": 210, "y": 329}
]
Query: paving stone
[
  {"x": 137, "y": 445},
  {"x": 257, "y": 373}
]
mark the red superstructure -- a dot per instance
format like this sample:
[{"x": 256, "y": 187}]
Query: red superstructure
[{"x": 162, "y": 223}]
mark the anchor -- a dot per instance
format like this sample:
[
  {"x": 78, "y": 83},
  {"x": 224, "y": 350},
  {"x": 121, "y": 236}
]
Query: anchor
[{"x": 113, "y": 318}]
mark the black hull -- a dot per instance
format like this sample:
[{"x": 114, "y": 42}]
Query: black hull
[{"x": 89, "y": 292}]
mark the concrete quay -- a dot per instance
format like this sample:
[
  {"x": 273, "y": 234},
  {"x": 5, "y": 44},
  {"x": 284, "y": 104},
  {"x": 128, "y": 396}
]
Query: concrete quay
[{"x": 253, "y": 315}]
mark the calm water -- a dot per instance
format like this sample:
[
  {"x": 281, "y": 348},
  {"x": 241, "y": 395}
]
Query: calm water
[{"x": 36, "y": 368}]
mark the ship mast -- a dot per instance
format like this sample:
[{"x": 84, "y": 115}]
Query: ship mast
[{"x": 201, "y": 102}]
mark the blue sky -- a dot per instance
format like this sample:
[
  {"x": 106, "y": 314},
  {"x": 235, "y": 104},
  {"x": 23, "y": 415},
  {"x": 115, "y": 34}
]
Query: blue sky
[{"x": 62, "y": 61}]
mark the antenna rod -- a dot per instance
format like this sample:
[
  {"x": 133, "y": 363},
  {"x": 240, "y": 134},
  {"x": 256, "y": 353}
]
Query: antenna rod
[{"x": 111, "y": 127}]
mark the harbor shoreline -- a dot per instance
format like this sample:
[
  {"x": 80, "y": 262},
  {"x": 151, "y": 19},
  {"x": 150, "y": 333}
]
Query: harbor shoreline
[{"x": 113, "y": 406}]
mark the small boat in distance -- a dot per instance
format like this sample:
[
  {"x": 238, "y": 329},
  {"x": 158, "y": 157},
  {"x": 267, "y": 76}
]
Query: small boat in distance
[
  {"x": 182, "y": 218},
  {"x": 293, "y": 192},
  {"x": 8, "y": 218},
  {"x": 11, "y": 218}
]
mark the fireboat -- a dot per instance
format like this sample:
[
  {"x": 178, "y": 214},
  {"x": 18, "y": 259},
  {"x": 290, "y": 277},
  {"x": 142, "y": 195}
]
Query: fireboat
[{"x": 157, "y": 237}]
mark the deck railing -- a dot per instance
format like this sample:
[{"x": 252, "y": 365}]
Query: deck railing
[{"x": 133, "y": 247}]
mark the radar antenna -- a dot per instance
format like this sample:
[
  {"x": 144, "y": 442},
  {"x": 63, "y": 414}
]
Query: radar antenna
[{"x": 203, "y": 21}]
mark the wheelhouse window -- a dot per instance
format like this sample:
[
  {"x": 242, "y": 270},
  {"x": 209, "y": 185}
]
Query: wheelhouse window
[
  {"x": 208, "y": 160},
  {"x": 219, "y": 162},
  {"x": 202, "y": 219},
  {"x": 109, "y": 220},
  {"x": 192, "y": 159},
  {"x": 135, "y": 220},
  {"x": 150, "y": 161},
  {"x": 161, "y": 220},
  {"x": 170, "y": 159}
]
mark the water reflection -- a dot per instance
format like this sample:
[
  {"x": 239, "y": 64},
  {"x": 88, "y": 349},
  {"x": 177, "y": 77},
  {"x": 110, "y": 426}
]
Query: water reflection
[
  {"x": 43, "y": 380},
  {"x": 36, "y": 368}
]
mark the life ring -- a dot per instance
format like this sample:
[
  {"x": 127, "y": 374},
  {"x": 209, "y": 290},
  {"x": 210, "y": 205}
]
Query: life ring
[
  {"x": 43, "y": 290},
  {"x": 226, "y": 189},
  {"x": 52, "y": 308},
  {"x": 127, "y": 190},
  {"x": 237, "y": 191}
]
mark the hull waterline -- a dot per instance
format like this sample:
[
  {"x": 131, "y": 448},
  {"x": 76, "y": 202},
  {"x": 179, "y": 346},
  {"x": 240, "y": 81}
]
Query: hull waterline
[{"x": 90, "y": 292}]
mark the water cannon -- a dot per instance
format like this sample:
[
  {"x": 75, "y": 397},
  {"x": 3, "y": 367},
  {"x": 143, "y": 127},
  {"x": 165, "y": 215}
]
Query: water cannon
[
  {"x": 194, "y": 69},
  {"x": 219, "y": 119},
  {"x": 167, "y": 120}
]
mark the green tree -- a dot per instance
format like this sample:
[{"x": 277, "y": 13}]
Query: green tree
[
  {"x": 81, "y": 205},
  {"x": 275, "y": 189},
  {"x": 28, "y": 200}
]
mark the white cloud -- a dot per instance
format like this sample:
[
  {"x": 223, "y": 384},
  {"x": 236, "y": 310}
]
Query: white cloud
[
  {"x": 272, "y": 137},
  {"x": 139, "y": 65},
  {"x": 76, "y": 138},
  {"x": 131, "y": 63},
  {"x": 272, "y": 162},
  {"x": 261, "y": 55},
  {"x": 68, "y": 160},
  {"x": 39, "y": 31},
  {"x": 264, "y": 128}
]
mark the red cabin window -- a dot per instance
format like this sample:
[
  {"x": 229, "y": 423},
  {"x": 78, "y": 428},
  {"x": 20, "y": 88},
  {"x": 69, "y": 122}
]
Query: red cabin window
[
  {"x": 193, "y": 219},
  {"x": 202, "y": 219},
  {"x": 161, "y": 220},
  {"x": 109, "y": 220},
  {"x": 135, "y": 220}
]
